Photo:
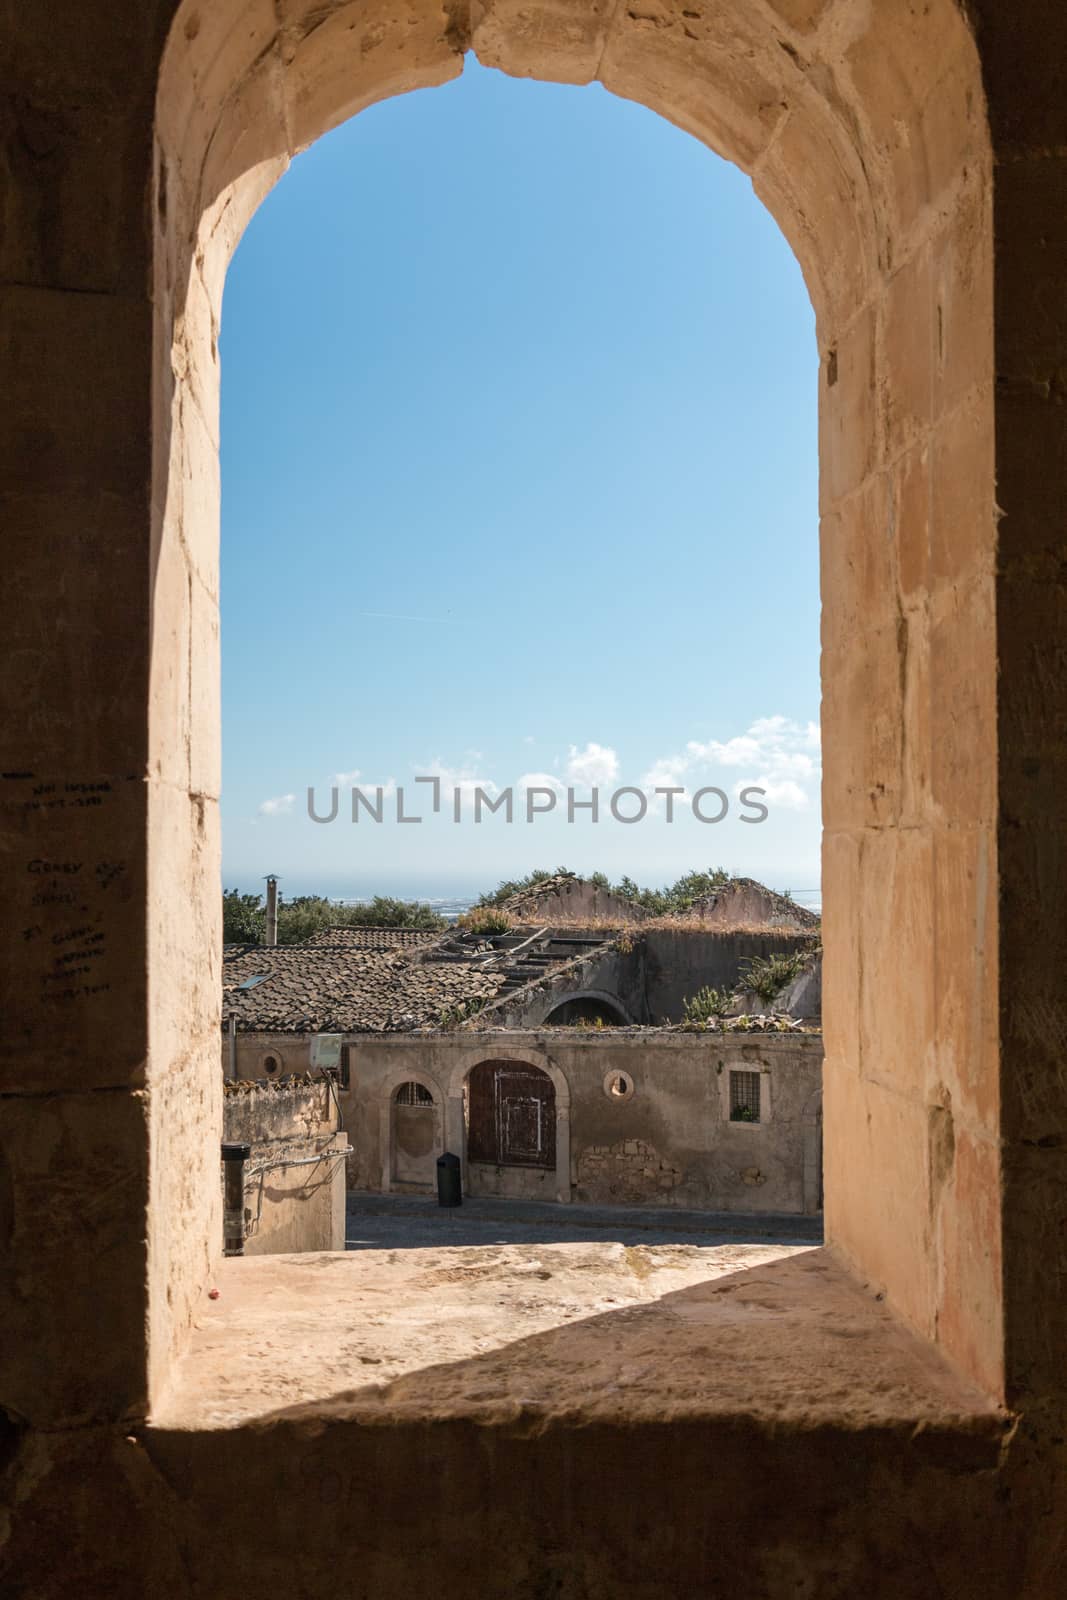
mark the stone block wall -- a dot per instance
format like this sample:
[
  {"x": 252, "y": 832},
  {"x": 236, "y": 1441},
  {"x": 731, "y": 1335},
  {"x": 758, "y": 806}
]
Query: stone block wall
[{"x": 630, "y": 1172}]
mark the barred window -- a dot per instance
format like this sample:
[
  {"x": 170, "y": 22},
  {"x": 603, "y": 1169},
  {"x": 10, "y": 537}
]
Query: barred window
[
  {"x": 413, "y": 1094},
  {"x": 744, "y": 1096}
]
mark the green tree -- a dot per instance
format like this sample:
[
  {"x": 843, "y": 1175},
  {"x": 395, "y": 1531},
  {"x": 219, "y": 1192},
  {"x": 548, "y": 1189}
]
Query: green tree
[{"x": 243, "y": 918}]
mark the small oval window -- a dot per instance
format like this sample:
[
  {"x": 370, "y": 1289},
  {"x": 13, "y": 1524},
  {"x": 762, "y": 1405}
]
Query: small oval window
[{"x": 618, "y": 1086}]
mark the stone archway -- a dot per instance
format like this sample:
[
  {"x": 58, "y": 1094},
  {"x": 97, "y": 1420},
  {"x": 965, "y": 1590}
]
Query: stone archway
[{"x": 864, "y": 131}]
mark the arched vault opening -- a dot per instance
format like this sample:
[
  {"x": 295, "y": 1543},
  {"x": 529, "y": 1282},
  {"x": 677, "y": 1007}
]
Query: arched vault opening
[{"x": 863, "y": 129}]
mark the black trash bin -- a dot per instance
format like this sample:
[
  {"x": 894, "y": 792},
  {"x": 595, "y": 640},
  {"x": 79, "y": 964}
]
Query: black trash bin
[{"x": 449, "y": 1180}]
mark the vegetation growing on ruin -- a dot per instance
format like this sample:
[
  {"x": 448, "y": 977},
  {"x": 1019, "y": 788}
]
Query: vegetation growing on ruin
[
  {"x": 509, "y": 886},
  {"x": 744, "y": 1114},
  {"x": 767, "y": 976},
  {"x": 463, "y": 1011},
  {"x": 484, "y": 919},
  {"x": 707, "y": 1004},
  {"x": 244, "y": 916},
  {"x": 678, "y": 896}
]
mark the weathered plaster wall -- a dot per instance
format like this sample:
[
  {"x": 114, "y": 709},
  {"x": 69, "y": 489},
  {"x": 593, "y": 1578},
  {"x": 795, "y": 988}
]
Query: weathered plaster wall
[
  {"x": 680, "y": 961},
  {"x": 264, "y": 1112},
  {"x": 291, "y": 1050},
  {"x": 669, "y": 1142},
  {"x": 289, "y": 1208}
]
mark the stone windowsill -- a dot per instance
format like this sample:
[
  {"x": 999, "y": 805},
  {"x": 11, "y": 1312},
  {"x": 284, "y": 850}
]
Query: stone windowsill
[{"x": 779, "y": 1341}]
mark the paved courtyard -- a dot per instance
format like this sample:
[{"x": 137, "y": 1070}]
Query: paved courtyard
[{"x": 406, "y": 1222}]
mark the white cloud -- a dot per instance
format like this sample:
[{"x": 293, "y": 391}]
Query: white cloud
[
  {"x": 280, "y": 806},
  {"x": 356, "y": 780},
  {"x": 594, "y": 767},
  {"x": 541, "y": 780},
  {"x": 465, "y": 779},
  {"x": 786, "y": 794},
  {"x": 776, "y": 754}
]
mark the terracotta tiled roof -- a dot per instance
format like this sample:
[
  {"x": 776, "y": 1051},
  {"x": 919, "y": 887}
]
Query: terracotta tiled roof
[
  {"x": 373, "y": 938},
  {"x": 347, "y": 987}
]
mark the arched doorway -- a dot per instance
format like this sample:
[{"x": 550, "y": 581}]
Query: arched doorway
[
  {"x": 414, "y": 1136},
  {"x": 511, "y": 1116}
]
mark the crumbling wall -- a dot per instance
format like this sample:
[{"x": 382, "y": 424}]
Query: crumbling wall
[
  {"x": 295, "y": 1174},
  {"x": 615, "y": 970},
  {"x": 572, "y": 900},
  {"x": 652, "y": 972},
  {"x": 744, "y": 903}
]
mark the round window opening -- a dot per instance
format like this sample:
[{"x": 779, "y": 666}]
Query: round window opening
[
  {"x": 618, "y": 1086},
  {"x": 271, "y": 1064}
]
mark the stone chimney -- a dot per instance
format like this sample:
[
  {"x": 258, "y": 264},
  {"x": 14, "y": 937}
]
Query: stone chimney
[{"x": 270, "y": 937}]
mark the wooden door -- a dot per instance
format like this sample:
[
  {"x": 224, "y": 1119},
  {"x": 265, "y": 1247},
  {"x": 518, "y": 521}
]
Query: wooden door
[{"x": 511, "y": 1115}]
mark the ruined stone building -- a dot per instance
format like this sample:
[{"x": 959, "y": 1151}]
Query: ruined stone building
[
  {"x": 883, "y": 1417},
  {"x": 554, "y": 1061}
]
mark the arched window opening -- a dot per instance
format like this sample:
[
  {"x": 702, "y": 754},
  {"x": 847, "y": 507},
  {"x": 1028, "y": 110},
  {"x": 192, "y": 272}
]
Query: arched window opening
[
  {"x": 413, "y": 1094},
  {"x": 874, "y": 247}
]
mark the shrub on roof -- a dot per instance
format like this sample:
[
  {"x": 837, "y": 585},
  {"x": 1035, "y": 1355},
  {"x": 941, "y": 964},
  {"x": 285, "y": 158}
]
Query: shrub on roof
[
  {"x": 510, "y": 886},
  {"x": 767, "y": 976},
  {"x": 484, "y": 919},
  {"x": 707, "y": 1005},
  {"x": 675, "y": 897}
]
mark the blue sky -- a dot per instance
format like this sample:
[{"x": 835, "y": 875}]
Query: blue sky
[{"x": 519, "y": 483}]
